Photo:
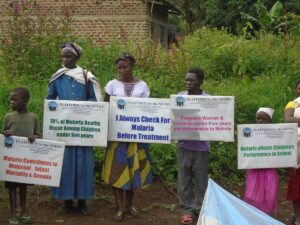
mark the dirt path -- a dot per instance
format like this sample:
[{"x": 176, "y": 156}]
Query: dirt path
[{"x": 156, "y": 204}]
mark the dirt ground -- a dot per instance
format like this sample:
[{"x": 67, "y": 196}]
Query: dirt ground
[{"x": 157, "y": 205}]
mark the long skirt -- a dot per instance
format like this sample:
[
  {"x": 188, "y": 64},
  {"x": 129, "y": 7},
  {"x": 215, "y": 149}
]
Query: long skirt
[
  {"x": 127, "y": 165},
  {"x": 293, "y": 192},
  {"x": 261, "y": 189},
  {"x": 77, "y": 174}
]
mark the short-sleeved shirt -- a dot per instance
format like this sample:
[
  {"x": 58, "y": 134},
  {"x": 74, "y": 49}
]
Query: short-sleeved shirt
[
  {"x": 21, "y": 124},
  {"x": 291, "y": 105},
  {"x": 117, "y": 88},
  {"x": 194, "y": 145}
]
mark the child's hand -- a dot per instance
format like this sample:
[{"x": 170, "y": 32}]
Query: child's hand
[
  {"x": 31, "y": 138},
  {"x": 7, "y": 133}
]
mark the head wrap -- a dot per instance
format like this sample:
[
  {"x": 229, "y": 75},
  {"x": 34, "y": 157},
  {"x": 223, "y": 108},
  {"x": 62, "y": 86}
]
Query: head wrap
[
  {"x": 126, "y": 56},
  {"x": 269, "y": 111},
  {"x": 74, "y": 48}
]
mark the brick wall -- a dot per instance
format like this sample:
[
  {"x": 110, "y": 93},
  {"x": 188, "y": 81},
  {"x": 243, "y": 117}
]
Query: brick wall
[{"x": 102, "y": 20}]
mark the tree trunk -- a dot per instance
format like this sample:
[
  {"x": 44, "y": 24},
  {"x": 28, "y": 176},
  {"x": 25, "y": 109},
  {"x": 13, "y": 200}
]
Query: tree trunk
[{"x": 189, "y": 15}]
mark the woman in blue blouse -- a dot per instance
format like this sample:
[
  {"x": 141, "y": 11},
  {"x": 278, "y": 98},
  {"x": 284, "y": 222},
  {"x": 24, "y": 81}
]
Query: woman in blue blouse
[{"x": 73, "y": 83}]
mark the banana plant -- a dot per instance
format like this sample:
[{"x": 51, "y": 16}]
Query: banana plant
[{"x": 268, "y": 21}]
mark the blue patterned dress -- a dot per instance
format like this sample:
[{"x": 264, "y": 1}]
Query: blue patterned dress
[{"x": 78, "y": 163}]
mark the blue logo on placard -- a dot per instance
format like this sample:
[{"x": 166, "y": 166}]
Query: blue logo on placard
[
  {"x": 180, "y": 100},
  {"x": 9, "y": 142},
  {"x": 121, "y": 103},
  {"x": 247, "y": 132},
  {"x": 52, "y": 105}
]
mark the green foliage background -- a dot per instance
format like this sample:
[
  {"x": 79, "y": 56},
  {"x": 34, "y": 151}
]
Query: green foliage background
[
  {"x": 223, "y": 14},
  {"x": 258, "y": 72}
]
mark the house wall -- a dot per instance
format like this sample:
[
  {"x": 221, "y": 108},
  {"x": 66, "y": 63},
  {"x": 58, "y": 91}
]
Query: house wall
[{"x": 101, "y": 20}]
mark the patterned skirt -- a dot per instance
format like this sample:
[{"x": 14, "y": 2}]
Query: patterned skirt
[{"x": 127, "y": 165}]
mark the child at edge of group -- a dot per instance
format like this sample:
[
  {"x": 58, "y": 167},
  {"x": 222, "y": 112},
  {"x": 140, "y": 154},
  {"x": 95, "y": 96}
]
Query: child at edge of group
[
  {"x": 21, "y": 123},
  {"x": 292, "y": 115},
  {"x": 192, "y": 155},
  {"x": 262, "y": 184}
]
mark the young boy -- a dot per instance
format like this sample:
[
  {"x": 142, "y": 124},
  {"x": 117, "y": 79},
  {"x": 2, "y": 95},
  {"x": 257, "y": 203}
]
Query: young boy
[
  {"x": 22, "y": 123},
  {"x": 192, "y": 157}
]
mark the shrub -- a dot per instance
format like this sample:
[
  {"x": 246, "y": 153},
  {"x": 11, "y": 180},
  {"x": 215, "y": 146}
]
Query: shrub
[
  {"x": 258, "y": 72},
  {"x": 222, "y": 55},
  {"x": 30, "y": 44}
]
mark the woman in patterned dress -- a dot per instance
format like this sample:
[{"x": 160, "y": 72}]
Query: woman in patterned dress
[{"x": 126, "y": 166}]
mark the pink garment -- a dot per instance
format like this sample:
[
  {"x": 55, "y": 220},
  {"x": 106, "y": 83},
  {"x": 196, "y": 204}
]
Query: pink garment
[{"x": 261, "y": 189}]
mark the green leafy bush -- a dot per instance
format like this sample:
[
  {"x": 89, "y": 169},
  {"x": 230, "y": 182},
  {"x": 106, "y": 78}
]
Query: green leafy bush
[
  {"x": 222, "y": 55},
  {"x": 164, "y": 163},
  {"x": 258, "y": 72},
  {"x": 29, "y": 47}
]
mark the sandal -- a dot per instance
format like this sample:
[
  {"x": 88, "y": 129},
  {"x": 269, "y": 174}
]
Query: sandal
[
  {"x": 84, "y": 211},
  {"x": 132, "y": 211},
  {"x": 186, "y": 219},
  {"x": 66, "y": 208},
  {"x": 13, "y": 221},
  {"x": 26, "y": 219},
  {"x": 118, "y": 217}
]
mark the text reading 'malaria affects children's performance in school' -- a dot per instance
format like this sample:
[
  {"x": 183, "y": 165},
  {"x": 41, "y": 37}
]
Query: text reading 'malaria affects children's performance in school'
[
  {"x": 77, "y": 123},
  {"x": 144, "y": 120},
  {"x": 39, "y": 162},
  {"x": 209, "y": 118},
  {"x": 267, "y": 145}
]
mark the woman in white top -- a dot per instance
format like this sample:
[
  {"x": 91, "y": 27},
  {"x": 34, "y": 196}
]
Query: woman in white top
[{"x": 126, "y": 166}]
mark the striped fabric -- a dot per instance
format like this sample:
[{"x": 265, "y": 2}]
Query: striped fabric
[{"x": 128, "y": 88}]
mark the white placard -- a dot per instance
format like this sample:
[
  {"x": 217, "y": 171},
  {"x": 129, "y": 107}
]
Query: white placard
[
  {"x": 206, "y": 118},
  {"x": 267, "y": 145},
  {"x": 145, "y": 120},
  {"x": 78, "y": 123},
  {"x": 39, "y": 162}
]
